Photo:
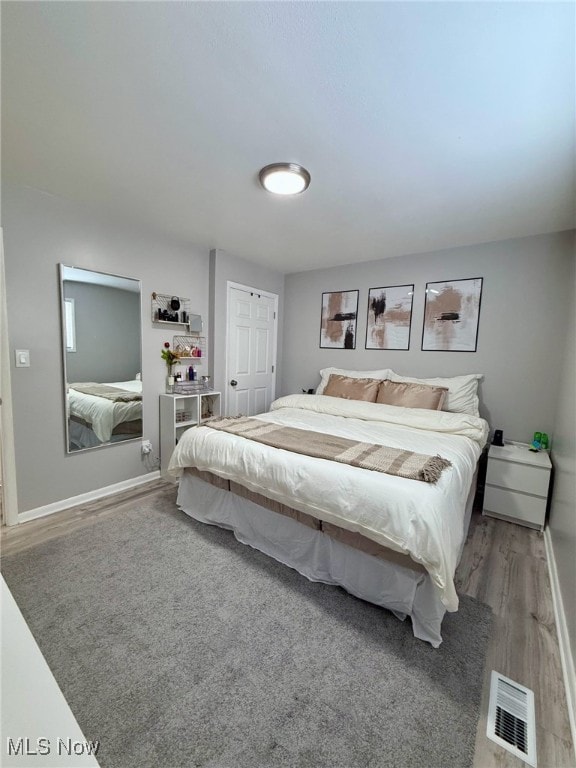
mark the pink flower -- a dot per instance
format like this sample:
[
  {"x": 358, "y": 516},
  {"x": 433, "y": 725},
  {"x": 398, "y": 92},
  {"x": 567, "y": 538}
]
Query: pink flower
[{"x": 169, "y": 357}]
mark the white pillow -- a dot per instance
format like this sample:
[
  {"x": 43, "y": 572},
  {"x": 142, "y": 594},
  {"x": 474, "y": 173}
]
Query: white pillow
[
  {"x": 325, "y": 373},
  {"x": 462, "y": 390}
]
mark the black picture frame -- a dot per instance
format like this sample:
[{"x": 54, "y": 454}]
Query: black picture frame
[
  {"x": 388, "y": 316},
  {"x": 339, "y": 319},
  {"x": 452, "y": 315}
]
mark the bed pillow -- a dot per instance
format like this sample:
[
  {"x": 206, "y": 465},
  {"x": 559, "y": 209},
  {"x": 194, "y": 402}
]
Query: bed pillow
[
  {"x": 352, "y": 388},
  {"x": 407, "y": 395},
  {"x": 325, "y": 374},
  {"x": 462, "y": 390}
]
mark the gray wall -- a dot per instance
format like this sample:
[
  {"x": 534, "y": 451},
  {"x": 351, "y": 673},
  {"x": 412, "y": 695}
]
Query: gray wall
[
  {"x": 521, "y": 335},
  {"x": 41, "y": 231},
  {"x": 108, "y": 338},
  {"x": 224, "y": 268},
  {"x": 563, "y": 512}
]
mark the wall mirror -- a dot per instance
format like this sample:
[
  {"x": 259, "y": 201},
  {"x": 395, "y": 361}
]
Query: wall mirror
[{"x": 102, "y": 354}]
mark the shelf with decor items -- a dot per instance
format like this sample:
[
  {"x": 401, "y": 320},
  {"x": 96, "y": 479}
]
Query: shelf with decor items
[
  {"x": 174, "y": 310},
  {"x": 190, "y": 348},
  {"x": 181, "y": 412},
  {"x": 517, "y": 484},
  {"x": 170, "y": 310}
]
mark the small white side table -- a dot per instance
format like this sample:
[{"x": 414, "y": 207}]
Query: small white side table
[
  {"x": 517, "y": 484},
  {"x": 179, "y": 413}
]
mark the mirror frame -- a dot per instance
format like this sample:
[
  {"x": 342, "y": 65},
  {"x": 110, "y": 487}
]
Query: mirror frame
[{"x": 61, "y": 269}]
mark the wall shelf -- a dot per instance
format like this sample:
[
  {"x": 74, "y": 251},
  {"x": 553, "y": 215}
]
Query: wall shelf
[
  {"x": 161, "y": 305},
  {"x": 190, "y": 348},
  {"x": 170, "y": 322},
  {"x": 163, "y": 314}
]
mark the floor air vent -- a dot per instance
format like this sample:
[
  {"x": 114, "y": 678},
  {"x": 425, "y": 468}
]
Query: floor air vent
[{"x": 511, "y": 721}]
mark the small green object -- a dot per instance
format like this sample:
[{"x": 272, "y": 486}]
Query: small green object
[
  {"x": 544, "y": 441},
  {"x": 536, "y": 442}
]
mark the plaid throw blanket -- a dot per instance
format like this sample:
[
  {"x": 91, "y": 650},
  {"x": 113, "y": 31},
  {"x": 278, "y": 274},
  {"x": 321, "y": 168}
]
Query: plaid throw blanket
[
  {"x": 115, "y": 394},
  {"x": 380, "y": 458}
]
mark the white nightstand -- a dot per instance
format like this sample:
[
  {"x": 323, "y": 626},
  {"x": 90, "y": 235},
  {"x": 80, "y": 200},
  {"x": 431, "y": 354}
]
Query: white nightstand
[{"x": 517, "y": 483}]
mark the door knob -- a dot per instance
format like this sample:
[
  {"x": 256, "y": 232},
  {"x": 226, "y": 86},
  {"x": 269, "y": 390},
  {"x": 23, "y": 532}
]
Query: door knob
[{"x": 233, "y": 383}]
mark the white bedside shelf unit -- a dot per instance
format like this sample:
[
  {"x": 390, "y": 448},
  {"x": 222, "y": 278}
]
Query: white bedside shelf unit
[
  {"x": 517, "y": 484},
  {"x": 180, "y": 412}
]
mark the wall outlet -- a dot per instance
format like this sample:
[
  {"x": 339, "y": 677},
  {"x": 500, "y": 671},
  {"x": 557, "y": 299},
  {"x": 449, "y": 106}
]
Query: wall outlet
[{"x": 146, "y": 447}]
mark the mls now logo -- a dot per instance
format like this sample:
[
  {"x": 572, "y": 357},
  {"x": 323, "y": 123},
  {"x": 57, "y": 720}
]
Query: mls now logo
[
  {"x": 43, "y": 746},
  {"x": 26, "y": 746}
]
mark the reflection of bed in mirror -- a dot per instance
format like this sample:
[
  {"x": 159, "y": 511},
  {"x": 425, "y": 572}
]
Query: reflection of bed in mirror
[{"x": 103, "y": 413}]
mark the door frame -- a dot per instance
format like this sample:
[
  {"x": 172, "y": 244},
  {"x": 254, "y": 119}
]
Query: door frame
[
  {"x": 249, "y": 289},
  {"x": 7, "y": 451}
]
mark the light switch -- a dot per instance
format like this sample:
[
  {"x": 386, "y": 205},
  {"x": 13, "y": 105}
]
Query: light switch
[{"x": 22, "y": 358}]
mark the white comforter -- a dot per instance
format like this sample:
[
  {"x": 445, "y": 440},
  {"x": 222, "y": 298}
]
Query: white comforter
[
  {"x": 102, "y": 414},
  {"x": 423, "y": 520}
]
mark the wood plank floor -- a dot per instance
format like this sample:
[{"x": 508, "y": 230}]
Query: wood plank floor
[{"x": 503, "y": 564}]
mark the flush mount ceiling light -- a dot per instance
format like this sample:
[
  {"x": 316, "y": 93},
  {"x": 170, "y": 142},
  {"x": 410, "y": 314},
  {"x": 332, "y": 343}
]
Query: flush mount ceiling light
[{"x": 284, "y": 178}]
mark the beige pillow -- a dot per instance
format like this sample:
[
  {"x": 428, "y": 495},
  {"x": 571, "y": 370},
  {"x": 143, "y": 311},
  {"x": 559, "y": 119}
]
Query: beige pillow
[
  {"x": 352, "y": 388},
  {"x": 462, "y": 390},
  {"x": 325, "y": 373},
  {"x": 411, "y": 395}
]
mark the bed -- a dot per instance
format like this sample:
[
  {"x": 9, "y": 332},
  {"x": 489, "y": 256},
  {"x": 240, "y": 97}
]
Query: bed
[
  {"x": 103, "y": 413},
  {"x": 385, "y": 538}
]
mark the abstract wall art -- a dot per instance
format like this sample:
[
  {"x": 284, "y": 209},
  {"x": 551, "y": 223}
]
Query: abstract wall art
[
  {"x": 451, "y": 315},
  {"x": 339, "y": 318},
  {"x": 389, "y": 317}
]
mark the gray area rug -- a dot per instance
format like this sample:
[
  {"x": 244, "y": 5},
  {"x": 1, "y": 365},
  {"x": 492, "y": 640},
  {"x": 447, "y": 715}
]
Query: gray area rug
[{"x": 177, "y": 646}]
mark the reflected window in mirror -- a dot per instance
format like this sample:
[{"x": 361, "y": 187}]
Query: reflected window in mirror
[
  {"x": 70, "y": 325},
  {"x": 101, "y": 349}
]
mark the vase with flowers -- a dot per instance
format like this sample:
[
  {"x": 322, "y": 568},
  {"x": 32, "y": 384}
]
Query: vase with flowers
[{"x": 170, "y": 358}]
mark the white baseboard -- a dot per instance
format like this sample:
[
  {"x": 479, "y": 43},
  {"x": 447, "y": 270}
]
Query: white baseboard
[
  {"x": 83, "y": 498},
  {"x": 563, "y": 637}
]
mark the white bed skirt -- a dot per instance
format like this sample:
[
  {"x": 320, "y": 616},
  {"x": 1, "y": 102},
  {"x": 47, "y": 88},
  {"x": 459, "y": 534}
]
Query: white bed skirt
[{"x": 317, "y": 556}]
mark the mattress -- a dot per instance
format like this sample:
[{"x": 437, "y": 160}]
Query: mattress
[{"x": 424, "y": 521}]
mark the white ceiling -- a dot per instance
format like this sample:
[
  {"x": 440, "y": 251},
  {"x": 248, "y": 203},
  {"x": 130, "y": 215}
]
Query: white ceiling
[{"x": 423, "y": 125}]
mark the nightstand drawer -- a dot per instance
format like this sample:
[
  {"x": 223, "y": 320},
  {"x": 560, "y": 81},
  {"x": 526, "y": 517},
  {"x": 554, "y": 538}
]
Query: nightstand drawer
[
  {"x": 518, "y": 477},
  {"x": 530, "y": 509}
]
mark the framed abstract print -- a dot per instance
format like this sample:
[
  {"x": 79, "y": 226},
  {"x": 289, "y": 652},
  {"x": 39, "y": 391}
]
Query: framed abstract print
[
  {"x": 451, "y": 315},
  {"x": 338, "y": 320},
  {"x": 389, "y": 317}
]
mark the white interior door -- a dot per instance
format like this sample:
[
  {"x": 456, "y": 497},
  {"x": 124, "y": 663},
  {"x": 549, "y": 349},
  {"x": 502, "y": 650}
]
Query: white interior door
[{"x": 251, "y": 351}]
